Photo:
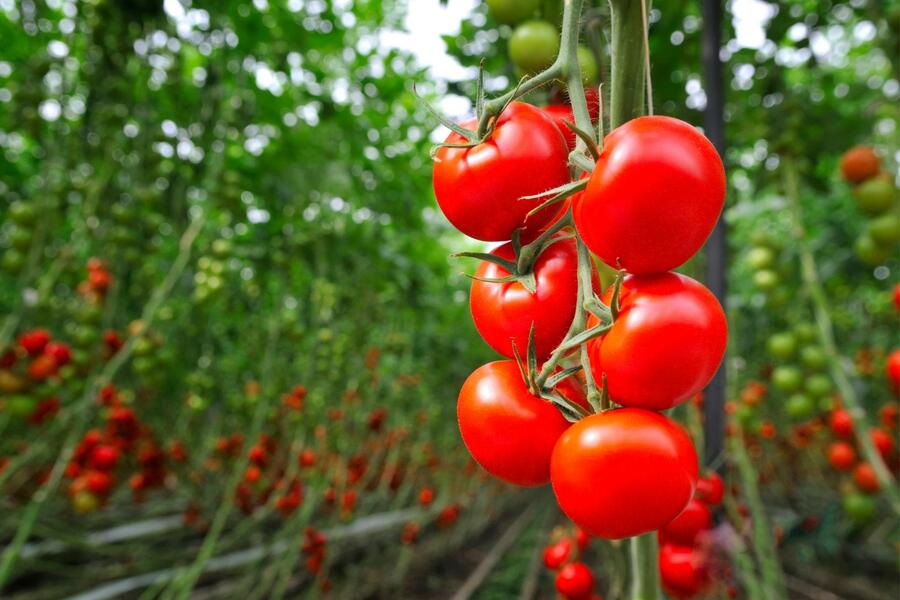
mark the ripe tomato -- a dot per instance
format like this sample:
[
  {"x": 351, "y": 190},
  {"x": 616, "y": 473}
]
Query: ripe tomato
[
  {"x": 42, "y": 367},
  {"x": 865, "y": 479},
  {"x": 60, "y": 352},
  {"x": 504, "y": 312},
  {"x": 841, "y": 456},
  {"x": 104, "y": 458},
  {"x": 859, "y": 163},
  {"x": 685, "y": 528},
  {"x": 665, "y": 345},
  {"x": 560, "y": 113},
  {"x": 508, "y": 431},
  {"x": 897, "y": 297},
  {"x": 623, "y": 472},
  {"x": 575, "y": 581},
  {"x": 34, "y": 341},
  {"x": 534, "y": 45},
  {"x": 888, "y": 415},
  {"x": 555, "y": 555},
  {"x": 892, "y": 369},
  {"x": 654, "y": 196},
  {"x": 683, "y": 571},
  {"x": 710, "y": 489},
  {"x": 479, "y": 188},
  {"x": 883, "y": 442},
  {"x": 841, "y": 423}
]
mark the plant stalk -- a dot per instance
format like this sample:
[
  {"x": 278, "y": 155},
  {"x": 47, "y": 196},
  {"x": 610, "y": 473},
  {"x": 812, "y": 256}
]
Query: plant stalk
[
  {"x": 627, "y": 72},
  {"x": 836, "y": 363}
]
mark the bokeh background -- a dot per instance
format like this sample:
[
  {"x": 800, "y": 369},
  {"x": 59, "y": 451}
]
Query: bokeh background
[{"x": 224, "y": 212}]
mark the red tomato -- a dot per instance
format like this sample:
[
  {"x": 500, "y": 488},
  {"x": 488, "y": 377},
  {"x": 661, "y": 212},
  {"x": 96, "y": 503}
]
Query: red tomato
[
  {"x": 654, "y": 196},
  {"x": 508, "y": 431},
  {"x": 99, "y": 482},
  {"x": 582, "y": 538},
  {"x": 504, "y": 312},
  {"x": 897, "y": 297},
  {"x": 665, "y": 345},
  {"x": 34, "y": 341},
  {"x": 60, "y": 352},
  {"x": 710, "y": 489},
  {"x": 841, "y": 456},
  {"x": 623, "y": 472},
  {"x": 865, "y": 479},
  {"x": 841, "y": 423},
  {"x": 555, "y": 555},
  {"x": 42, "y": 367},
  {"x": 685, "y": 528},
  {"x": 575, "y": 581},
  {"x": 560, "y": 113},
  {"x": 683, "y": 571},
  {"x": 892, "y": 368},
  {"x": 104, "y": 458},
  {"x": 888, "y": 415},
  {"x": 859, "y": 163},
  {"x": 479, "y": 188},
  {"x": 883, "y": 442}
]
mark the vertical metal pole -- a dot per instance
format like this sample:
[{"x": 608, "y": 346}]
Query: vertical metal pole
[{"x": 716, "y": 246}]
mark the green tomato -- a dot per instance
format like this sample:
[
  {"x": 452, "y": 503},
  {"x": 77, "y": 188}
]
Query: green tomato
[
  {"x": 221, "y": 248},
  {"x": 787, "y": 378},
  {"x": 745, "y": 415},
  {"x": 875, "y": 195},
  {"x": 782, "y": 345},
  {"x": 806, "y": 332},
  {"x": 534, "y": 45},
  {"x": 800, "y": 406},
  {"x": 588, "y": 65},
  {"x": 142, "y": 347},
  {"x": 20, "y": 405},
  {"x": 20, "y": 238},
  {"x": 869, "y": 251},
  {"x": 818, "y": 385},
  {"x": 760, "y": 257},
  {"x": 13, "y": 261},
  {"x": 813, "y": 357},
  {"x": 22, "y": 213},
  {"x": 885, "y": 229},
  {"x": 143, "y": 365},
  {"x": 766, "y": 279},
  {"x": 764, "y": 238},
  {"x": 859, "y": 507},
  {"x": 510, "y": 12}
]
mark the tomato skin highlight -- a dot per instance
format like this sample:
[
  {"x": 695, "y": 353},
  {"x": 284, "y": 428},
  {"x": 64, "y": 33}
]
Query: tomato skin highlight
[
  {"x": 503, "y": 312},
  {"x": 556, "y": 555},
  {"x": 654, "y": 196},
  {"x": 508, "y": 431},
  {"x": 479, "y": 188},
  {"x": 623, "y": 472},
  {"x": 665, "y": 345}
]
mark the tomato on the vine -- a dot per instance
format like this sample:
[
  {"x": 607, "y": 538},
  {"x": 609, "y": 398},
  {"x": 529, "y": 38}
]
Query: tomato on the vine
[
  {"x": 859, "y": 163},
  {"x": 683, "y": 571},
  {"x": 623, "y": 472},
  {"x": 575, "y": 581},
  {"x": 664, "y": 346},
  {"x": 892, "y": 369},
  {"x": 504, "y": 312},
  {"x": 684, "y": 529},
  {"x": 509, "y": 431},
  {"x": 534, "y": 45},
  {"x": 653, "y": 197},
  {"x": 710, "y": 489},
  {"x": 479, "y": 189},
  {"x": 841, "y": 456}
]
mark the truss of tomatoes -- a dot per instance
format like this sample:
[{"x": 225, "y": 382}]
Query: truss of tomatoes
[{"x": 651, "y": 201}]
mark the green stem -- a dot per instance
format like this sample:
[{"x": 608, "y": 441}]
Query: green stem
[
  {"x": 585, "y": 294},
  {"x": 836, "y": 363},
  {"x": 764, "y": 546},
  {"x": 568, "y": 54},
  {"x": 644, "y": 568},
  {"x": 627, "y": 74}
]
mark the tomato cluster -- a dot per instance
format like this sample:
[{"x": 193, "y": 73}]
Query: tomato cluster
[
  {"x": 876, "y": 195},
  {"x": 653, "y": 340},
  {"x": 573, "y": 578}
]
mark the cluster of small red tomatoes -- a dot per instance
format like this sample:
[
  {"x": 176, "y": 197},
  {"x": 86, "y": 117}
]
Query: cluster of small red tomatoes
[
  {"x": 650, "y": 203},
  {"x": 123, "y": 444}
]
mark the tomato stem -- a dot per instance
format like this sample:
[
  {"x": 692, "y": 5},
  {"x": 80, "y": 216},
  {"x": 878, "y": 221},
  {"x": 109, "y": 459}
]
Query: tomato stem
[
  {"x": 627, "y": 73},
  {"x": 644, "y": 568}
]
